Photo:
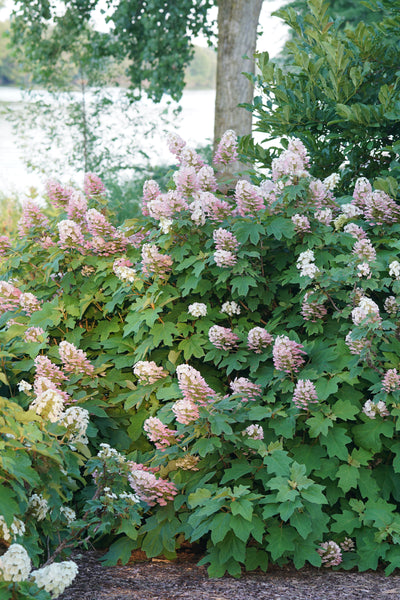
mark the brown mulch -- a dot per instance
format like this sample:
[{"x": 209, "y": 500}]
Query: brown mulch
[{"x": 182, "y": 579}]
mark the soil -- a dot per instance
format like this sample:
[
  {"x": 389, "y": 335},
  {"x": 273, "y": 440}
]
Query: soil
[{"x": 159, "y": 579}]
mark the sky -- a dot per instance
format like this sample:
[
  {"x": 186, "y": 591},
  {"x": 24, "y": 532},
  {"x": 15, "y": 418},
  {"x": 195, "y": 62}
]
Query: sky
[{"x": 273, "y": 31}]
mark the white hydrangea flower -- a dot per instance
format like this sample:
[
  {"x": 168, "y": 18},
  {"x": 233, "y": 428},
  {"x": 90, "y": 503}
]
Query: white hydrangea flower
[
  {"x": 331, "y": 181},
  {"x": 372, "y": 409},
  {"x": 76, "y": 420},
  {"x": 197, "y": 309},
  {"x": 38, "y": 506},
  {"x": 16, "y": 529},
  {"x": 230, "y": 308},
  {"x": 24, "y": 386},
  {"x": 394, "y": 269},
  {"x": 15, "y": 564},
  {"x": 69, "y": 514},
  {"x": 366, "y": 308},
  {"x": 305, "y": 264},
  {"x": 255, "y": 432},
  {"x": 364, "y": 270},
  {"x": 129, "y": 497},
  {"x": 49, "y": 404},
  {"x": 165, "y": 224},
  {"x": 56, "y": 577},
  {"x": 125, "y": 273},
  {"x": 108, "y": 452},
  {"x": 351, "y": 210}
]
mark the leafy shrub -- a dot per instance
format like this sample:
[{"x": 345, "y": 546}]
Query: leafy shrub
[
  {"x": 261, "y": 414},
  {"x": 338, "y": 93}
]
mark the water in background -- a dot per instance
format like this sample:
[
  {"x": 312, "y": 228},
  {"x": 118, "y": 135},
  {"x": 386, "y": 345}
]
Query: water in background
[{"x": 194, "y": 124}]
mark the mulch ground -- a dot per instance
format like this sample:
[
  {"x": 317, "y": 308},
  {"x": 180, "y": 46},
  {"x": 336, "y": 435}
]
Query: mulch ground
[{"x": 182, "y": 579}]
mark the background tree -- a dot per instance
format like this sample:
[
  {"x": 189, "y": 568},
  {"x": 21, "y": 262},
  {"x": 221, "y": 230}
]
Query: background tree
[
  {"x": 339, "y": 92},
  {"x": 156, "y": 39}
]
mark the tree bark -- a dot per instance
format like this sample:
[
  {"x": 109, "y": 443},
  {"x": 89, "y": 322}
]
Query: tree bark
[{"x": 237, "y": 37}]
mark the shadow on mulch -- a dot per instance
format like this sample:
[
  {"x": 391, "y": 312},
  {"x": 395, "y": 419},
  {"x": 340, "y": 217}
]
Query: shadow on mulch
[{"x": 159, "y": 579}]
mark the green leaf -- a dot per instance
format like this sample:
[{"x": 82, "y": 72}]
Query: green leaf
[
  {"x": 280, "y": 540},
  {"x": 345, "y": 410},
  {"x": 348, "y": 477},
  {"x": 220, "y": 525},
  {"x": 199, "y": 497},
  {"x": 368, "y": 435},
  {"x": 301, "y": 522},
  {"x": 242, "y": 284},
  {"x": 241, "y": 527},
  {"x": 120, "y": 550},
  {"x": 280, "y": 226},
  {"x": 319, "y": 424},
  {"x": 193, "y": 346},
  {"x": 256, "y": 558},
  {"x": 335, "y": 441}
]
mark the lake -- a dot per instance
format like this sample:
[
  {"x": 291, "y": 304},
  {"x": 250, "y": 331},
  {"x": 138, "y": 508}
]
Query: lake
[{"x": 194, "y": 124}]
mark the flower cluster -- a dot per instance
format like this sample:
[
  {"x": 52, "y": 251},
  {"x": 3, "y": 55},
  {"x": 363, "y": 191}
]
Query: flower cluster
[
  {"x": 185, "y": 411},
  {"x": 5, "y": 245},
  {"x": 58, "y": 195},
  {"x": 222, "y": 337},
  {"x": 230, "y": 308},
  {"x": 394, "y": 269},
  {"x": 372, "y": 409},
  {"x": 54, "y": 578},
  {"x": 159, "y": 433},
  {"x": 306, "y": 265},
  {"x": 287, "y": 354},
  {"x": 122, "y": 269},
  {"x": 330, "y": 553},
  {"x": 357, "y": 346},
  {"x": 391, "y": 381},
  {"x": 49, "y": 404},
  {"x": 255, "y": 432},
  {"x": 38, "y": 506},
  {"x": 379, "y": 208},
  {"x": 391, "y": 306},
  {"x": 155, "y": 262},
  {"x": 193, "y": 386},
  {"x": 15, "y": 564},
  {"x": 312, "y": 310},
  {"x": 258, "y": 339},
  {"x": 32, "y": 221},
  {"x": 35, "y": 334},
  {"x": 324, "y": 216},
  {"x": 197, "y": 309},
  {"x": 29, "y": 303},
  {"x": 74, "y": 359},
  {"x": 149, "y": 488},
  {"x": 227, "y": 149},
  {"x": 292, "y": 163},
  {"x": 9, "y": 296},
  {"x": 93, "y": 187},
  {"x": 16, "y": 529},
  {"x": 304, "y": 394},
  {"x": 76, "y": 420},
  {"x": 367, "y": 312},
  {"x": 46, "y": 368},
  {"x": 71, "y": 235},
  {"x": 147, "y": 372},
  {"x": 248, "y": 198},
  {"x": 301, "y": 223},
  {"x": 247, "y": 389}
]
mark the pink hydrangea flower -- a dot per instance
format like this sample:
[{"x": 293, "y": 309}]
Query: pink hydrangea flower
[
  {"x": 224, "y": 259},
  {"x": 42, "y": 384},
  {"x": 391, "y": 306},
  {"x": 34, "y": 334},
  {"x": 148, "y": 372},
  {"x": 225, "y": 240},
  {"x": 5, "y": 245},
  {"x": 185, "y": 411},
  {"x": 93, "y": 187},
  {"x": 58, "y": 195},
  {"x": 188, "y": 157},
  {"x": 29, "y": 303},
  {"x": 193, "y": 386},
  {"x": 301, "y": 223},
  {"x": 362, "y": 190},
  {"x": 9, "y": 297},
  {"x": 287, "y": 354},
  {"x": 324, "y": 216},
  {"x": 222, "y": 337},
  {"x": 391, "y": 381},
  {"x": 186, "y": 181},
  {"x": 355, "y": 230},
  {"x": 151, "y": 190},
  {"x": 32, "y": 219},
  {"x": 248, "y": 198},
  {"x": 304, "y": 394},
  {"x": 149, "y": 488},
  {"x": 154, "y": 262},
  {"x": 71, "y": 235},
  {"x": 227, "y": 149},
  {"x": 312, "y": 310},
  {"x": 330, "y": 553},
  {"x": 247, "y": 389},
  {"x": 46, "y": 368},
  {"x": 357, "y": 346},
  {"x": 216, "y": 208},
  {"x": 175, "y": 144},
  {"x": 77, "y": 207},
  {"x": 158, "y": 433},
  {"x": 321, "y": 196},
  {"x": 206, "y": 179},
  {"x": 74, "y": 359},
  {"x": 258, "y": 339},
  {"x": 379, "y": 208}
]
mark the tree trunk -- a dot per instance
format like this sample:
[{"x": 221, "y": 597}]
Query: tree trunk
[{"x": 237, "y": 36}]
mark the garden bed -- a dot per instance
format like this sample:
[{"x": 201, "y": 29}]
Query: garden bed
[{"x": 159, "y": 579}]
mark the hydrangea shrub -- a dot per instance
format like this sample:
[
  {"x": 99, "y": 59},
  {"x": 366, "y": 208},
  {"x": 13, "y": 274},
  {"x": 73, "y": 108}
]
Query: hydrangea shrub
[{"x": 237, "y": 353}]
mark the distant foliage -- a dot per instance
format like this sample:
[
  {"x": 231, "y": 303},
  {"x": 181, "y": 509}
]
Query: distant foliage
[
  {"x": 338, "y": 92},
  {"x": 229, "y": 363}
]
